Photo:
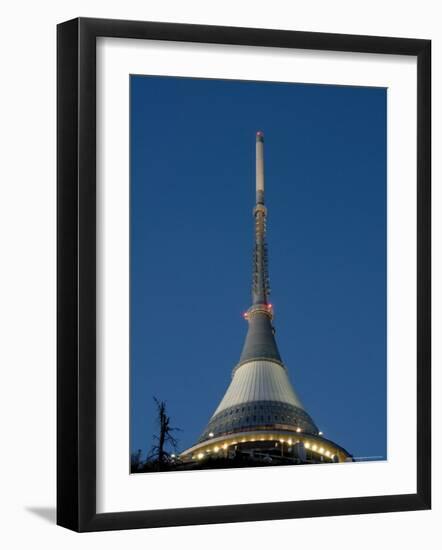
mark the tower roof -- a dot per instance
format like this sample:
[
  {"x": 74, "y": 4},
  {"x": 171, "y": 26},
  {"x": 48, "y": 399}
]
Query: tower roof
[{"x": 259, "y": 395}]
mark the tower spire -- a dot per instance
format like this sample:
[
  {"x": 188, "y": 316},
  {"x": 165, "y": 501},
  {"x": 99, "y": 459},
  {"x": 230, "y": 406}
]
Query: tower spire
[
  {"x": 260, "y": 286},
  {"x": 260, "y": 341},
  {"x": 260, "y": 167}
]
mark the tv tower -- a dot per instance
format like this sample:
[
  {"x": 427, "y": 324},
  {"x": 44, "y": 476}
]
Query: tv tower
[{"x": 261, "y": 417}]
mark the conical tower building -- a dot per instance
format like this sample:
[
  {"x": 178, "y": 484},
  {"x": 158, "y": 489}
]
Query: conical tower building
[{"x": 261, "y": 415}]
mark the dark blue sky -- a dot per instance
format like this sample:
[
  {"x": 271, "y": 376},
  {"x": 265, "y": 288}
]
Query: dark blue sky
[{"x": 192, "y": 195}]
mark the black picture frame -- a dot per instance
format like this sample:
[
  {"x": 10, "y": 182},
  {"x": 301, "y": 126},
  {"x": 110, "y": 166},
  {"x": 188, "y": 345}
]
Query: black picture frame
[{"x": 76, "y": 274}]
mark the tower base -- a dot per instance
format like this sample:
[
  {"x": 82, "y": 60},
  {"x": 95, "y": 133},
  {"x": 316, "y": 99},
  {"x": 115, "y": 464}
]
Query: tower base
[{"x": 255, "y": 448}]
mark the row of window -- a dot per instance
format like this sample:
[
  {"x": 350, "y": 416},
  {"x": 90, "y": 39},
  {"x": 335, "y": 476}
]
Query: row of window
[
  {"x": 249, "y": 408},
  {"x": 235, "y": 422},
  {"x": 259, "y": 413},
  {"x": 250, "y": 421}
]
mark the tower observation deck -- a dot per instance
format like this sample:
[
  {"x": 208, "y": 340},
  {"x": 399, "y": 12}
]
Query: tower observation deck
[{"x": 261, "y": 416}]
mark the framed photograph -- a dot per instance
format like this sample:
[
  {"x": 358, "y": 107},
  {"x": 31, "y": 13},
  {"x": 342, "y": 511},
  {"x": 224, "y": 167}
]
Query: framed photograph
[{"x": 243, "y": 274}]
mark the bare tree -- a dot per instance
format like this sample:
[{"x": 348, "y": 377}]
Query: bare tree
[{"x": 164, "y": 438}]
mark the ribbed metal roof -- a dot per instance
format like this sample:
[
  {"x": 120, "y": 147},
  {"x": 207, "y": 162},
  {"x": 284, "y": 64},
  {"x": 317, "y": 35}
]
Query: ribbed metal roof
[
  {"x": 259, "y": 381},
  {"x": 260, "y": 396}
]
